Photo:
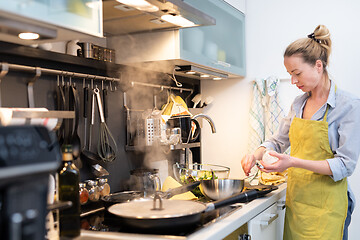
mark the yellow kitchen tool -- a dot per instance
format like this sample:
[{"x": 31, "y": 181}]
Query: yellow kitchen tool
[{"x": 172, "y": 183}]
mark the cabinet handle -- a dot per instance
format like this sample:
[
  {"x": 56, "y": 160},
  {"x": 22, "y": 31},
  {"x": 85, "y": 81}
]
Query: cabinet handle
[
  {"x": 244, "y": 237},
  {"x": 281, "y": 205},
  {"x": 272, "y": 216}
]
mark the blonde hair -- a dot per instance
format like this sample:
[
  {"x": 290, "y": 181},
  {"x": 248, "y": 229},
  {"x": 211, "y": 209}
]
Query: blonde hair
[{"x": 317, "y": 46}]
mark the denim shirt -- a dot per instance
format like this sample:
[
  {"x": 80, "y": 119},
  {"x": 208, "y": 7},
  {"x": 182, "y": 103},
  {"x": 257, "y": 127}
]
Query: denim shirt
[{"x": 344, "y": 130}]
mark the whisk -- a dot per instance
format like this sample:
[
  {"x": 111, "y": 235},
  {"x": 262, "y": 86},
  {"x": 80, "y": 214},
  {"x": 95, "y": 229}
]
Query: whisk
[{"x": 107, "y": 147}]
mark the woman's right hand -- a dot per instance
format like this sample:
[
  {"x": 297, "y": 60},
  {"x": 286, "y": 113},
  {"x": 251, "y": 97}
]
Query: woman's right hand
[
  {"x": 249, "y": 160},
  {"x": 247, "y": 163}
]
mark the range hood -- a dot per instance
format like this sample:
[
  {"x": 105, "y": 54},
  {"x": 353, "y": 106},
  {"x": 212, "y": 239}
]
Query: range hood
[{"x": 120, "y": 18}]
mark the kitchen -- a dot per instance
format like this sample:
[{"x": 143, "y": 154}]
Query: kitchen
[{"x": 269, "y": 27}]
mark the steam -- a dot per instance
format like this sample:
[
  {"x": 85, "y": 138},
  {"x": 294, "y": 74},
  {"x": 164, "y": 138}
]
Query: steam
[{"x": 142, "y": 99}]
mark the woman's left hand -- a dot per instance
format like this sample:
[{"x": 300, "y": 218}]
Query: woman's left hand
[{"x": 281, "y": 165}]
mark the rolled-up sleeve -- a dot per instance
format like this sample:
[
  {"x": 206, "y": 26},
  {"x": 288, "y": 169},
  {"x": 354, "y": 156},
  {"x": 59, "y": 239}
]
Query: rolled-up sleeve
[{"x": 346, "y": 154}]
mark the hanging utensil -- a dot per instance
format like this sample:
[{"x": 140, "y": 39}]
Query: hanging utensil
[
  {"x": 105, "y": 106},
  {"x": 30, "y": 88},
  {"x": 107, "y": 147},
  {"x": 60, "y": 106},
  {"x": 86, "y": 154},
  {"x": 4, "y": 71},
  {"x": 85, "y": 110},
  {"x": 75, "y": 139}
]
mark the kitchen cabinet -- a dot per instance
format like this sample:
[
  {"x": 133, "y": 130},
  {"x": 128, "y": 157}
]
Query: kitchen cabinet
[
  {"x": 221, "y": 46},
  {"x": 269, "y": 224},
  {"x": 54, "y": 16},
  {"x": 218, "y": 48},
  {"x": 238, "y": 4}
]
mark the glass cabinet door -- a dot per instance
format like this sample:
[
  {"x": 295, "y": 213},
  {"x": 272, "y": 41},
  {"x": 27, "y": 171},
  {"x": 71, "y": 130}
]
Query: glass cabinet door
[
  {"x": 80, "y": 15},
  {"x": 220, "y": 46}
]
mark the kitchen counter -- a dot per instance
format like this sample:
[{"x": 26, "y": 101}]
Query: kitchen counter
[{"x": 218, "y": 230}]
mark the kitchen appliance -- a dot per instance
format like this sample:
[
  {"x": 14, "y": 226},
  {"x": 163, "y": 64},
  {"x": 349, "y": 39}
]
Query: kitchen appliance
[
  {"x": 120, "y": 18},
  {"x": 28, "y": 154},
  {"x": 184, "y": 122},
  {"x": 103, "y": 221}
]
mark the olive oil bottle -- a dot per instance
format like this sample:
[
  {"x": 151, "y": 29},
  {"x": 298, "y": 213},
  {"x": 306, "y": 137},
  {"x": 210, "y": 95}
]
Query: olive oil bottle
[{"x": 68, "y": 188}]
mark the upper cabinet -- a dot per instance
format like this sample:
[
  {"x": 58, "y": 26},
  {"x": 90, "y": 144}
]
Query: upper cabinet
[
  {"x": 238, "y": 4},
  {"x": 51, "y": 19},
  {"x": 216, "y": 51},
  {"x": 221, "y": 46}
]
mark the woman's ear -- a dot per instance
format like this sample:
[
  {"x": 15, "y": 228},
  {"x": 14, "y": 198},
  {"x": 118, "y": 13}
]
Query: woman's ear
[{"x": 319, "y": 65}]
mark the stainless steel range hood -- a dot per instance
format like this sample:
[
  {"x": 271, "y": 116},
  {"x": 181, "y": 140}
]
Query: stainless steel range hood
[{"x": 121, "y": 19}]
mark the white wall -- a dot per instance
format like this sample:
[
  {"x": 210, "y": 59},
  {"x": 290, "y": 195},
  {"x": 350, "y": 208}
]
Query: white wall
[{"x": 270, "y": 27}]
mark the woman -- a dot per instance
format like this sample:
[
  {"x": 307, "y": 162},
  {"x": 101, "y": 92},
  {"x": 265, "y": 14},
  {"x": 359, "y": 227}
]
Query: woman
[{"x": 322, "y": 131}]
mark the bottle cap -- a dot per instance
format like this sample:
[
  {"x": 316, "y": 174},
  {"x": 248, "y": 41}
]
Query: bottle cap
[{"x": 67, "y": 152}]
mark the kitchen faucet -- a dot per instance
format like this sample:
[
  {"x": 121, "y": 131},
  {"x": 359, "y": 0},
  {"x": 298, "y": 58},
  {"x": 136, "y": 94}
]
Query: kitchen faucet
[{"x": 211, "y": 122}]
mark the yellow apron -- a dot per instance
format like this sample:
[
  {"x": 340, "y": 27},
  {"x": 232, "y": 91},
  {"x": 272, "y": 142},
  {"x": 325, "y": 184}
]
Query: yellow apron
[{"x": 316, "y": 206}]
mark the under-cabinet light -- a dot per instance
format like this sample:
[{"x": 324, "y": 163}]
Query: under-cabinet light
[
  {"x": 178, "y": 20},
  {"x": 204, "y": 75},
  {"x": 201, "y": 72},
  {"x": 28, "y": 36},
  {"x": 141, "y": 5}
]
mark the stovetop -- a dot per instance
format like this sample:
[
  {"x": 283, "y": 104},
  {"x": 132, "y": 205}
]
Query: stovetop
[{"x": 103, "y": 221}]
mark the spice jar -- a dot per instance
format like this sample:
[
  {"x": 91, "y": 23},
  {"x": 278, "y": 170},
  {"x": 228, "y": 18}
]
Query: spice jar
[
  {"x": 84, "y": 193},
  {"x": 94, "y": 191},
  {"x": 104, "y": 186}
]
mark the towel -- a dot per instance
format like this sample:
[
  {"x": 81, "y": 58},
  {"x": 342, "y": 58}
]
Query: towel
[
  {"x": 273, "y": 110},
  {"x": 265, "y": 116},
  {"x": 257, "y": 113}
]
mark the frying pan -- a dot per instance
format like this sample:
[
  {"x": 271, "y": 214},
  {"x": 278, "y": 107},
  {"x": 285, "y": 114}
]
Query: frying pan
[
  {"x": 162, "y": 214},
  {"x": 128, "y": 196}
]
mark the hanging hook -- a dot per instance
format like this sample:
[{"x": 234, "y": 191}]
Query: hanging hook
[
  {"x": 4, "y": 71},
  {"x": 74, "y": 82},
  {"x": 191, "y": 92},
  {"x": 30, "y": 87},
  {"x": 111, "y": 89}
]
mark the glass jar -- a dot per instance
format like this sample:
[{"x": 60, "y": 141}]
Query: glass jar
[
  {"x": 94, "y": 191},
  {"x": 104, "y": 186},
  {"x": 84, "y": 193}
]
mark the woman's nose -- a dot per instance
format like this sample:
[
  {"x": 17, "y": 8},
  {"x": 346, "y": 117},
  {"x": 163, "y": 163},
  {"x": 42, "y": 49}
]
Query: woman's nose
[{"x": 293, "y": 79}]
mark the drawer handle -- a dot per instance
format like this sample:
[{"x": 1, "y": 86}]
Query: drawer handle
[
  {"x": 273, "y": 216},
  {"x": 281, "y": 205}
]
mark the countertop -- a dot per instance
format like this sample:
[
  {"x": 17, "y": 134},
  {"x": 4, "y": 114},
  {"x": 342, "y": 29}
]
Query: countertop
[{"x": 218, "y": 230}]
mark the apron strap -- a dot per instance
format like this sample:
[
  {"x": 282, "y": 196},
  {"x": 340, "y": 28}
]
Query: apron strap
[{"x": 327, "y": 108}]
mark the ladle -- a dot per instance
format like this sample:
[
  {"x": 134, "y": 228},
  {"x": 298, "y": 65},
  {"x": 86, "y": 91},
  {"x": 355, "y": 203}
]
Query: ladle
[{"x": 86, "y": 154}]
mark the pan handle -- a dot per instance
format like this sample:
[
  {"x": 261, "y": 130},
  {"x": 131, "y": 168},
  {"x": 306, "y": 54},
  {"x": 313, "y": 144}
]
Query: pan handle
[{"x": 242, "y": 197}]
